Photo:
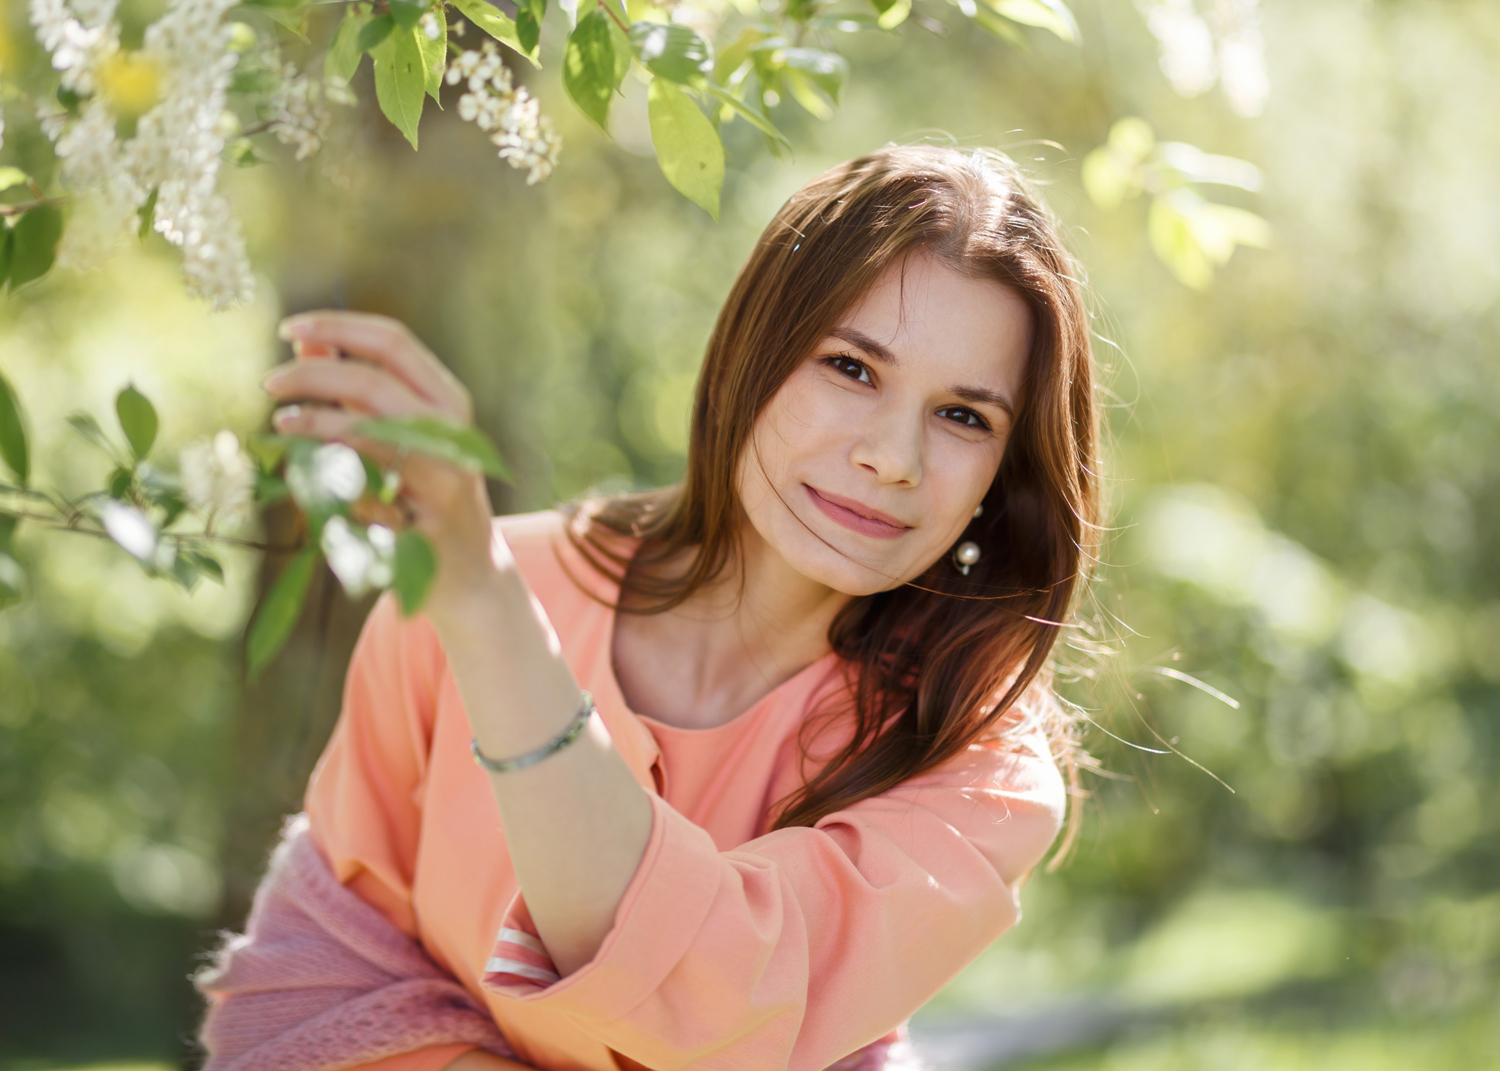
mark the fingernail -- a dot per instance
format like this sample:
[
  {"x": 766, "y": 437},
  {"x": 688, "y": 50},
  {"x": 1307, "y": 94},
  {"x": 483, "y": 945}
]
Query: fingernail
[
  {"x": 289, "y": 329},
  {"x": 285, "y": 415}
]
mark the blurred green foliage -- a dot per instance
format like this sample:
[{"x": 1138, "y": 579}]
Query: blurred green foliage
[{"x": 1305, "y": 476}]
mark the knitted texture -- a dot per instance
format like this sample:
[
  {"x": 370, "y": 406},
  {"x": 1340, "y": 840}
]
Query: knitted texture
[{"x": 321, "y": 980}]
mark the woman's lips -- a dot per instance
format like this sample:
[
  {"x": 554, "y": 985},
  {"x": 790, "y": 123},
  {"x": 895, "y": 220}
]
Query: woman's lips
[{"x": 857, "y": 517}]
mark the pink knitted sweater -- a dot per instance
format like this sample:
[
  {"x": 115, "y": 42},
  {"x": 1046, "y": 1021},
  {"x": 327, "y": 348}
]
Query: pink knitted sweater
[{"x": 322, "y": 980}]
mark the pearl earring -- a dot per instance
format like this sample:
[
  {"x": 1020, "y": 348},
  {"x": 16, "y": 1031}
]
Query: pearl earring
[
  {"x": 979, "y": 510},
  {"x": 965, "y": 555}
]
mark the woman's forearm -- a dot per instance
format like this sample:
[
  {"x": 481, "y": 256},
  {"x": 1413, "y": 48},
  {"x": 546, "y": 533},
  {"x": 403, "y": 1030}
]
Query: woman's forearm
[{"x": 577, "y": 823}]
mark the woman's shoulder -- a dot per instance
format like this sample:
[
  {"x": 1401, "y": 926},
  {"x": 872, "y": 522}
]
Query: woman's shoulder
[{"x": 548, "y": 549}]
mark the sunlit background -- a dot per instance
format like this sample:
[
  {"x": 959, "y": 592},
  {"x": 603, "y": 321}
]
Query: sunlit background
[{"x": 1292, "y": 866}]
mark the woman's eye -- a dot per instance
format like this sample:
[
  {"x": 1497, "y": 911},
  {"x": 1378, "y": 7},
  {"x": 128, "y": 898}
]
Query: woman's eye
[
  {"x": 965, "y": 416},
  {"x": 849, "y": 366}
]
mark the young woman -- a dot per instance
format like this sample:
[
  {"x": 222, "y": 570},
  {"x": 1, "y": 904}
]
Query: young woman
[{"x": 764, "y": 757}]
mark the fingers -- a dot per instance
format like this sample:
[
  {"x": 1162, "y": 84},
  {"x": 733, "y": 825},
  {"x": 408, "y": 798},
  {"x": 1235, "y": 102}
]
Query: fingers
[
  {"x": 355, "y": 384},
  {"x": 323, "y": 422},
  {"x": 312, "y": 350},
  {"x": 386, "y": 342}
]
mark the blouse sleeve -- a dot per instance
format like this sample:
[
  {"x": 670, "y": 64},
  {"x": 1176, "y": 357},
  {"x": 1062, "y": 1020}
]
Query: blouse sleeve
[
  {"x": 805, "y": 944},
  {"x": 363, "y": 800}
]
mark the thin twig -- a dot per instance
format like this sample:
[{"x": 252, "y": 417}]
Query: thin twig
[
  {"x": 27, "y": 206},
  {"x": 180, "y": 537}
]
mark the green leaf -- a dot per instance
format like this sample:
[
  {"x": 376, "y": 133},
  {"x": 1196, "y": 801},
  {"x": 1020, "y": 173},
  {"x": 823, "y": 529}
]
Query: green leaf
[
  {"x": 733, "y": 56},
  {"x": 172, "y": 507},
  {"x": 341, "y": 60},
  {"x": 295, "y": 21},
  {"x": 7, "y": 251},
  {"x": 119, "y": 483},
  {"x": 12, "y": 581},
  {"x": 589, "y": 67},
  {"x": 461, "y": 444},
  {"x": 147, "y": 213},
  {"x": 805, "y": 93},
  {"x": 407, "y": 13},
  {"x": 401, "y": 81},
  {"x": 499, "y": 26},
  {"x": 241, "y": 153},
  {"x": 1045, "y": 14},
  {"x": 827, "y": 70},
  {"x": 13, "y": 433},
  {"x": 434, "y": 58},
  {"x": 1000, "y": 27},
  {"x": 529, "y": 14},
  {"x": 254, "y": 81},
  {"x": 416, "y": 564},
  {"x": 1195, "y": 165},
  {"x": 269, "y": 489},
  {"x": 677, "y": 53},
  {"x": 12, "y": 176},
  {"x": 372, "y": 33},
  {"x": 36, "y": 238},
  {"x": 137, "y": 419},
  {"x": 279, "y": 612},
  {"x": 207, "y": 564},
  {"x": 894, "y": 15},
  {"x": 687, "y": 145},
  {"x": 185, "y": 571},
  {"x": 84, "y": 424},
  {"x": 268, "y": 450},
  {"x": 9, "y": 522},
  {"x": 749, "y": 114}
]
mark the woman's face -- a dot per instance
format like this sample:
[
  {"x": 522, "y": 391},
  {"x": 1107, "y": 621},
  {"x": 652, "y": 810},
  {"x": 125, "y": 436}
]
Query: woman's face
[{"x": 865, "y": 467}]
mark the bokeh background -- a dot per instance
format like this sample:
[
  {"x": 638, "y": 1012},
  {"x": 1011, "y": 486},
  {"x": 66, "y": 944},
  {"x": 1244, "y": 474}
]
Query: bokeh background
[{"x": 1304, "y": 472}]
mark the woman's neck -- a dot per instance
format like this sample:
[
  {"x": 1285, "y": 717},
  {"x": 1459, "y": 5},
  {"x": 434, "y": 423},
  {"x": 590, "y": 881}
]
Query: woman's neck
[{"x": 705, "y": 662}]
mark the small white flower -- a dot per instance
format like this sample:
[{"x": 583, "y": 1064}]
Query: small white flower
[
  {"x": 360, "y": 561},
  {"x": 218, "y": 478},
  {"x": 431, "y": 27},
  {"x": 339, "y": 471},
  {"x": 129, "y": 527}
]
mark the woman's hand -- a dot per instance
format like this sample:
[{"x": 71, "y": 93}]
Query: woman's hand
[{"x": 349, "y": 366}]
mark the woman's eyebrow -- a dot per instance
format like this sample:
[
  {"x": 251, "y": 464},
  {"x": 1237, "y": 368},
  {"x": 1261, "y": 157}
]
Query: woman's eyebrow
[
  {"x": 984, "y": 396},
  {"x": 866, "y": 343}
]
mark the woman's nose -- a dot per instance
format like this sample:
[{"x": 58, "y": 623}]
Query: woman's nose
[{"x": 889, "y": 445}]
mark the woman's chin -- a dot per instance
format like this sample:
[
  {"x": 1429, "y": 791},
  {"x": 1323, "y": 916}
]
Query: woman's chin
[{"x": 846, "y": 574}]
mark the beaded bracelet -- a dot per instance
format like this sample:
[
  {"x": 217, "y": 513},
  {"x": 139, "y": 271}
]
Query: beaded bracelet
[{"x": 531, "y": 758}]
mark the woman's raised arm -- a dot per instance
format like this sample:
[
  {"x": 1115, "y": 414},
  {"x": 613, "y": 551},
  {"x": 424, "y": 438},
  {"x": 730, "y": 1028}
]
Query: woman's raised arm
[{"x": 577, "y": 824}]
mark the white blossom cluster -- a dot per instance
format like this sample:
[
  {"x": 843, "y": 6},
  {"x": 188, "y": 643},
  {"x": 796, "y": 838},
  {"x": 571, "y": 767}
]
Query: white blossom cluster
[
  {"x": 508, "y": 113},
  {"x": 1224, "y": 45},
  {"x": 79, "y": 36},
  {"x": 218, "y": 478},
  {"x": 176, "y": 148},
  {"x": 300, "y": 109}
]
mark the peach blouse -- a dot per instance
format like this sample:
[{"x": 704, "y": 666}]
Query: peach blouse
[{"x": 733, "y": 947}]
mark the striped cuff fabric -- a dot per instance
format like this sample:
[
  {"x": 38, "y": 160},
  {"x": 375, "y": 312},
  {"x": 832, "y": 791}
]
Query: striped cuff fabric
[{"x": 519, "y": 955}]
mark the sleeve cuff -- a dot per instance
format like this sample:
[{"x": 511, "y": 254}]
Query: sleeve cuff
[{"x": 659, "y": 915}]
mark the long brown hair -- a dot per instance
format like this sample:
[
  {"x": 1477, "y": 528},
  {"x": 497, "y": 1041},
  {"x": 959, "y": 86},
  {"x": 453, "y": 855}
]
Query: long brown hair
[{"x": 945, "y": 660}]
